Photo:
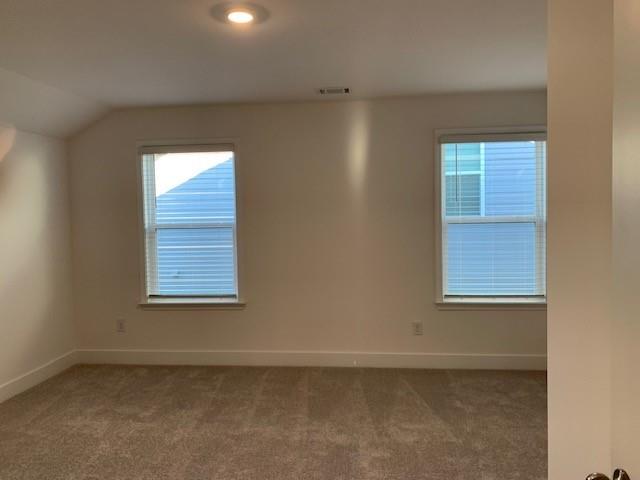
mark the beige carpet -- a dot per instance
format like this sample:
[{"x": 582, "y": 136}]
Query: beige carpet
[{"x": 228, "y": 423}]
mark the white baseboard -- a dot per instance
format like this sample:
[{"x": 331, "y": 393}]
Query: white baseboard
[
  {"x": 37, "y": 375},
  {"x": 272, "y": 358},
  {"x": 317, "y": 359}
]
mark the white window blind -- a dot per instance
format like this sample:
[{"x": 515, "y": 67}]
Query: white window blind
[
  {"x": 493, "y": 218},
  {"x": 190, "y": 221}
]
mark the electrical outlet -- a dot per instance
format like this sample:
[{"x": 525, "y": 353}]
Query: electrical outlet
[
  {"x": 121, "y": 326},
  {"x": 417, "y": 328}
]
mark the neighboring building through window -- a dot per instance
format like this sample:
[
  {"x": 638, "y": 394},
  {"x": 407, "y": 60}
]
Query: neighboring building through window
[
  {"x": 493, "y": 217},
  {"x": 190, "y": 222}
]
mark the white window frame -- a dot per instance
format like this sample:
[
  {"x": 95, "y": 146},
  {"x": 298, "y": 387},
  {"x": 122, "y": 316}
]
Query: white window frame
[
  {"x": 475, "y": 302},
  {"x": 146, "y": 241}
]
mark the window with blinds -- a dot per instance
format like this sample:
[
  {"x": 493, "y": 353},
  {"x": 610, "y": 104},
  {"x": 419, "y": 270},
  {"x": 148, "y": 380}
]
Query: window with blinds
[
  {"x": 493, "y": 204},
  {"x": 190, "y": 221}
]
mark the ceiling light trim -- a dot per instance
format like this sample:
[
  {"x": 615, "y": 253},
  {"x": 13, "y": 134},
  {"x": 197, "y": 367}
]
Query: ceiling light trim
[{"x": 221, "y": 12}]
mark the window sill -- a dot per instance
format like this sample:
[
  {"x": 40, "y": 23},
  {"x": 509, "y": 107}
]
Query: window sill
[
  {"x": 491, "y": 304},
  {"x": 191, "y": 304}
]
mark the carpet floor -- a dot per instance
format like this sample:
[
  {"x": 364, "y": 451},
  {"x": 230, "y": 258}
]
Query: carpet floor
[{"x": 244, "y": 423}]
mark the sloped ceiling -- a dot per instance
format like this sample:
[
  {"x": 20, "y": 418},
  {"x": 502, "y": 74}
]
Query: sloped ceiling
[{"x": 35, "y": 107}]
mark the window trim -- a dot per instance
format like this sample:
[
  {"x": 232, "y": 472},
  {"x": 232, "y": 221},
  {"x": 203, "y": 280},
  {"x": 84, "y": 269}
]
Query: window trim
[
  {"x": 475, "y": 303},
  {"x": 188, "y": 302}
]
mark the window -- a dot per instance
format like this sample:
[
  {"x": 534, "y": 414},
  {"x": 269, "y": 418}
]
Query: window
[
  {"x": 493, "y": 217},
  {"x": 190, "y": 222}
]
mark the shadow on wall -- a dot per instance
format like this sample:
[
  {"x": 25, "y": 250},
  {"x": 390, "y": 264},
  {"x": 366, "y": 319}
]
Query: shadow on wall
[
  {"x": 7, "y": 138},
  {"x": 7, "y": 142},
  {"x": 358, "y": 150}
]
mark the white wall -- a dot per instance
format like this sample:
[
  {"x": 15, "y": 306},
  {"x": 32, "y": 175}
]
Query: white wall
[
  {"x": 626, "y": 237},
  {"x": 36, "y": 318},
  {"x": 580, "y": 86},
  {"x": 337, "y": 225}
]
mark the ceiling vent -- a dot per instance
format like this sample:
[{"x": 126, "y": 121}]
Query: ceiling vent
[{"x": 334, "y": 91}]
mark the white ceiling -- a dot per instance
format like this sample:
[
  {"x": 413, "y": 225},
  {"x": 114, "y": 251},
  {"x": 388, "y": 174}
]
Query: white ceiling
[{"x": 160, "y": 52}]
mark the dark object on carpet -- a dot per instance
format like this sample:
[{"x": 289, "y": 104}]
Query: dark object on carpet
[{"x": 244, "y": 423}]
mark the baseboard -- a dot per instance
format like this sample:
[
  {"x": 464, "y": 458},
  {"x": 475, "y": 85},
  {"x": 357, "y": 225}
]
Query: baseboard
[
  {"x": 271, "y": 358},
  {"x": 37, "y": 375},
  {"x": 316, "y": 359}
]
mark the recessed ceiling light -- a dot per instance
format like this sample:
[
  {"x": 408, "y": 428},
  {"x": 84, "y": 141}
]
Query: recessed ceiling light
[{"x": 240, "y": 15}]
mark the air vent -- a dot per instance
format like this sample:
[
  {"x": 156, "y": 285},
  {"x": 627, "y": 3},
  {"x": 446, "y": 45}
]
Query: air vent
[{"x": 334, "y": 91}]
